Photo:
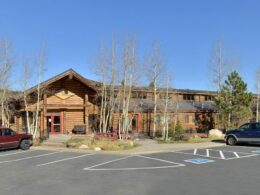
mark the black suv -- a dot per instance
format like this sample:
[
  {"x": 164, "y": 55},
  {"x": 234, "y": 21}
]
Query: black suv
[{"x": 247, "y": 133}]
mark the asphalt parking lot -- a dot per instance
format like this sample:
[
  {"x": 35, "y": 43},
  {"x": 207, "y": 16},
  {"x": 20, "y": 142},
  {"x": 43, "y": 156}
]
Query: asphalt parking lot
[{"x": 220, "y": 170}]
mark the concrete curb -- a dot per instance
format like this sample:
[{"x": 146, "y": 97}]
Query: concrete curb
[{"x": 141, "y": 149}]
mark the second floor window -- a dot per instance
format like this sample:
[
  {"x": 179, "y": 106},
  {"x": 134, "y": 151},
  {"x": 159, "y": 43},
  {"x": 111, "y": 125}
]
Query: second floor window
[
  {"x": 188, "y": 97},
  {"x": 139, "y": 95},
  {"x": 208, "y": 98}
]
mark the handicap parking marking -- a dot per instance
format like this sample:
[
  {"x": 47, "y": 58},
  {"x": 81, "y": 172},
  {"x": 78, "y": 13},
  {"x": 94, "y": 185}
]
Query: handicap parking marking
[
  {"x": 199, "y": 161},
  {"x": 172, "y": 164},
  {"x": 256, "y": 151},
  {"x": 107, "y": 162},
  {"x": 158, "y": 159},
  {"x": 64, "y": 159},
  {"x": 218, "y": 154},
  {"x": 30, "y": 157}
]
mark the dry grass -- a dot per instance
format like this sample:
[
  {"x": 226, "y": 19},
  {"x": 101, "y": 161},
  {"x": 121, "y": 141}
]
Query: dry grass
[
  {"x": 191, "y": 140},
  {"x": 77, "y": 141}
]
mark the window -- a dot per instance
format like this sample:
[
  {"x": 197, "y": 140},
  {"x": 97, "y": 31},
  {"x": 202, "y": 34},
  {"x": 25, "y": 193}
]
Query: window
[
  {"x": 188, "y": 97},
  {"x": 255, "y": 126},
  {"x": 139, "y": 95},
  {"x": 245, "y": 126},
  {"x": 208, "y": 98},
  {"x": 164, "y": 96},
  {"x": 8, "y": 132}
]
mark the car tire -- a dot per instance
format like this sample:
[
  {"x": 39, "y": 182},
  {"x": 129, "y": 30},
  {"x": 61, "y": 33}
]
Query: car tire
[
  {"x": 231, "y": 141},
  {"x": 25, "y": 144}
]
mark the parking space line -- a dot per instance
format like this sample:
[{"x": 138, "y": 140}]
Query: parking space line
[
  {"x": 230, "y": 151},
  {"x": 118, "y": 159},
  {"x": 207, "y": 152},
  {"x": 236, "y": 155},
  {"x": 221, "y": 154},
  {"x": 9, "y": 154},
  {"x": 64, "y": 159},
  {"x": 158, "y": 159},
  {"x": 178, "y": 152},
  {"x": 137, "y": 168},
  {"x": 25, "y": 158},
  {"x": 251, "y": 155}
]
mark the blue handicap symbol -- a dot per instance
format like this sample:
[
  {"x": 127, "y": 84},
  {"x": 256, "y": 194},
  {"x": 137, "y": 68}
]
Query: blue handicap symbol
[
  {"x": 256, "y": 151},
  {"x": 199, "y": 160}
]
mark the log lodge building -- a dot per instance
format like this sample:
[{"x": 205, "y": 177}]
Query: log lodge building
[{"x": 69, "y": 99}]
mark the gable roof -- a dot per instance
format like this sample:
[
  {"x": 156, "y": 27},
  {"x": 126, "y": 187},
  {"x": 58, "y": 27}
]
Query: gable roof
[{"x": 71, "y": 73}]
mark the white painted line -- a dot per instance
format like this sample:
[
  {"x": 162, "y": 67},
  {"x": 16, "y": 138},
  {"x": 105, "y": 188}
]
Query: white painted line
[
  {"x": 241, "y": 157},
  {"x": 25, "y": 158},
  {"x": 229, "y": 151},
  {"x": 195, "y": 151},
  {"x": 178, "y": 152},
  {"x": 118, "y": 159},
  {"x": 235, "y": 153},
  {"x": 207, "y": 152},
  {"x": 64, "y": 159},
  {"x": 222, "y": 155},
  {"x": 158, "y": 159},
  {"x": 137, "y": 168},
  {"x": 9, "y": 154}
]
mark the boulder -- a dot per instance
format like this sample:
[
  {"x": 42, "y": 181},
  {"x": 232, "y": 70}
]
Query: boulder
[
  {"x": 216, "y": 133},
  {"x": 97, "y": 149},
  {"x": 83, "y": 146}
]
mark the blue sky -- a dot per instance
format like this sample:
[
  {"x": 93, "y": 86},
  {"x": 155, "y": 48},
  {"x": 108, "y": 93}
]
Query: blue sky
[{"x": 72, "y": 31}]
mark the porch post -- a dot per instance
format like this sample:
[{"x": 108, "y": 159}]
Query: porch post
[
  {"x": 44, "y": 129},
  {"x": 86, "y": 113}
]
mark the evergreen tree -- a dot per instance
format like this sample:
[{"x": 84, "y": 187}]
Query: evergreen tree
[{"x": 234, "y": 101}]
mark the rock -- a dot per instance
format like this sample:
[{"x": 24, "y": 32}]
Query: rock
[
  {"x": 71, "y": 145},
  {"x": 97, "y": 149},
  {"x": 83, "y": 146},
  {"x": 216, "y": 133}
]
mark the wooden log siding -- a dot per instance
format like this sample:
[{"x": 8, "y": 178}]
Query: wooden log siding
[{"x": 72, "y": 118}]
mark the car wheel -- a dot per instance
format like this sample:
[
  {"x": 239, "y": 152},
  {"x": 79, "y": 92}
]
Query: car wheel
[
  {"x": 231, "y": 141},
  {"x": 25, "y": 144}
]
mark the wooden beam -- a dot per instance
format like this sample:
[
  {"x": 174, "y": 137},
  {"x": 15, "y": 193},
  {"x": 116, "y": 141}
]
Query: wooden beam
[
  {"x": 64, "y": 122},
  {"x": 86, "y": 113}
]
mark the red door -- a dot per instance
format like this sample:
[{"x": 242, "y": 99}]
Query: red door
[{"x": 54, "y": 124}]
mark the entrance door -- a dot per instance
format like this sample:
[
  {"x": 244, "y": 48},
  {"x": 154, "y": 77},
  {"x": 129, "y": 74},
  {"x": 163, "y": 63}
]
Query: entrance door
[{"x": 54, "y": 123}]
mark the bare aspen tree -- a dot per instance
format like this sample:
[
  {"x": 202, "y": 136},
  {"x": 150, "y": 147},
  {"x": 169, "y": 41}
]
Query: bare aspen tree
[
  {"x": 26, "y": 77},
  {"x": 217, "y": 67},
  {"x": 154, "y": 72},
  {"x": 166, "y": 115},
  {"x": 40, "y": 63},
  {"x": 107, "y": 74},
  {"x": 220, "y": 67},
  {"x": 6, "y": 65},
  {"x": 257, "y": 91},
  {"x": 129, "y": 78}
]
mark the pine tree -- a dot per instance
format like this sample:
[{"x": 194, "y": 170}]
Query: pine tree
[{"x": 234, "y": 101}]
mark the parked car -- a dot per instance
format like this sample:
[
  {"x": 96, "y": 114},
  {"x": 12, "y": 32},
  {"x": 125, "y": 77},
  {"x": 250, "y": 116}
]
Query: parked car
[
  {"x": 247, "y": 133},
  {"x": 11, "y": 139}
]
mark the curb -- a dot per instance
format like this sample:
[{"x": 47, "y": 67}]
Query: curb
[{"x": 179, "y": 147}]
